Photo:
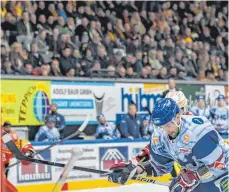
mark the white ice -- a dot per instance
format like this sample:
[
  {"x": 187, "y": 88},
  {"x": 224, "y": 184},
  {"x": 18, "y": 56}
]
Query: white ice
[{"x": 130, "y": 188}]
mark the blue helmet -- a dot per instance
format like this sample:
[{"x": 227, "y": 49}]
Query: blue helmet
[{"x": 164, "y": 111}]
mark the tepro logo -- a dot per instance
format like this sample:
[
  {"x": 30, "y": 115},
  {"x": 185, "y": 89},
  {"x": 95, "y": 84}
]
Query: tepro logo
[
  {"x": 110, "y": 156},
  {"x": 141, "y": 99}
]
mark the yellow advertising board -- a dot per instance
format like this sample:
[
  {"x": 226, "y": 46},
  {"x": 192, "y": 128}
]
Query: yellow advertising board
[{"x": 24, "y": 102}]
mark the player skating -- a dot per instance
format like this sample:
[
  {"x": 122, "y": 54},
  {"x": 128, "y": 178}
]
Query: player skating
[
  {"x": 190, "y": 140},
  {"x": 25, "y": 147}
]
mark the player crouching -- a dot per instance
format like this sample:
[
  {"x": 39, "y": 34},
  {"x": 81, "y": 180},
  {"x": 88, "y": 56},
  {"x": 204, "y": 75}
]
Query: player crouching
[
  {"x": 190, "y": 140},
  {"x": 25, "y": 147}
]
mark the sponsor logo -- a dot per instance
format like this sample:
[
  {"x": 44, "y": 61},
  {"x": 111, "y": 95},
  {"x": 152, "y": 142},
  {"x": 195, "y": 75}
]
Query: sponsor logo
[
  {"x": 109, "y": 156},
  {"x": 140, "y": 97},
  {"x": 185, "y": 150},
  {"x": 155, "y": 140},
  {"x": 186, "y": 138},
  {"x": 198, "y": 121},
  {"x": 219, "y": 165},
  {"x": 35, "y": 172}
]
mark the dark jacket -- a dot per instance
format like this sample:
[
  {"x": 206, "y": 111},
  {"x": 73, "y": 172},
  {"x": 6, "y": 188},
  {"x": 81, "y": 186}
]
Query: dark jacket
[
  {"x": 131, "y": 126},
  {"x": 60, "y": 120},
  {"x": 21, "y": 28}
]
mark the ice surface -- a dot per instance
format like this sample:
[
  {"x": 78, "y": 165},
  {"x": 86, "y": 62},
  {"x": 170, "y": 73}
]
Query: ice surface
[{"x": 129, "y": 188}]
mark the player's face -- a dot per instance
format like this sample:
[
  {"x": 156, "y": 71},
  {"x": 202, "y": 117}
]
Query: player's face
[
  {"x": 221, "y": 102},
  {"x": 7, "y": 129},
  {"x": 201, "y": 103},
  {"x": 50, "y": 125},
  {"x": 171, "y": 128},
  {"x": 102, "y": 120}
]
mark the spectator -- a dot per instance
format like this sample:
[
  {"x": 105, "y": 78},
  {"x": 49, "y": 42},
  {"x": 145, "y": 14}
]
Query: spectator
[
  {"x": 71, "y": 73},
  {"x": 25, "y": 31},
  {"x": 130, "y": 73},
  {"x": 55, "y": 68},
  {"x": 163, "y": 74},
  {"x": 132, "y": 126},
  {"x": 220, "y": 76},
  {"x": 41, "y": 9},
  {"x": 154, "y": 62},
  {"x": 7, "y": 68},
  {"x": 43, "y": 48},
  {"x": 111, "y": 71},
  {"x": 28, "y": 69},
  {"x": 83, "y": 27},
  {"x": 9, "y": 27},
  {"x": 144, "y": 73},
  {"x": 66, "y": 62},
  {"x": 172, "y": 87},
  {"x": 181, "y": 75},
  {"x": 121, "y": 72},
  {"x": 106, "y": 130},
  {"x": 154, "y": 73},
  {"x": 34, "y": 57},
  {"x": 59, "y": 119},
  {"x": 48, "y": 132},
  {"x": 173, "y": 72},
  {"x": 60, "y": 10},
  {"x": 201, "y": 109}
]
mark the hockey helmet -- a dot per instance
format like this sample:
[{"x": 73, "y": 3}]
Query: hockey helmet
[{"x": 164, "y": 111}]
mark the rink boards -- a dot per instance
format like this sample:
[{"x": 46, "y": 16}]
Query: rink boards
[{"x": 97, "y": 155}]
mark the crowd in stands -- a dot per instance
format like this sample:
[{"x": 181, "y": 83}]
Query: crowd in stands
[{"x": 126, "y": 39}]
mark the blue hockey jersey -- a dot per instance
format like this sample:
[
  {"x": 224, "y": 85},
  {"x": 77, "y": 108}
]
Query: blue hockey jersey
[
  {"x": 107, "y": 131},
  {"x": 197, "y": 145},
  {"x": 219, "y": 118},
  {"x": 200, "y": 112}
]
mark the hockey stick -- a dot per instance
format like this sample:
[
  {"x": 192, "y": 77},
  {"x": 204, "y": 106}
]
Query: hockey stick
[
  {"x": 76, "y": 154},
  {"x": 18, "y": 154},
  {"x": 81, "y": 129}
]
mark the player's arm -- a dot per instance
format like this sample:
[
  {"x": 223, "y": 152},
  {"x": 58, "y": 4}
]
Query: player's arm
[
  {"x": 41, "y": 135},
  {"x": 157, "y": 165},
  {"x": 28, "y": 150},
  {"x": 215, "y": 155}
]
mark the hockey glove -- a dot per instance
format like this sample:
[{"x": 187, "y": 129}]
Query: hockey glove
[
  {"x": 186, "y": 181},
  {"x": 122, "y": 172},
  {"x": 144, "y": 155}
]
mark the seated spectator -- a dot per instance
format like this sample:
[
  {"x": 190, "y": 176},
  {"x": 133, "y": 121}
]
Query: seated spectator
[
  {"x": 220, "y": 76},
  {"x": 55, "y": 68},
  {"x": 59, "y": 119},
  {"x": 66, "y": 61},
  {"x": 154, "y": 62},
  {"x": 154, "y": 73},
  {"x": 28, "y": 69},
  {"x": 71, "y": 73},
  {"x": 7, "y": 68},
  {"x": 43, "y": 48},
  {"x": 144, "y": 73},
  {"x": 130, "y": 73},
  {"x": 106, "y": 130},
  {"x": 201, "y": 109},
  {"x": 48, "y": 132},
  {"x": 181, "y": 75},
  {"x": 163, "y": 74},
  {"x": 121, "y": 72},
  {"x": 132, "y": 126}
]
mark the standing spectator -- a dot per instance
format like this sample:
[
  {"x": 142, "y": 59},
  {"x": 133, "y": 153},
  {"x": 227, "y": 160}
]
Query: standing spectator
[
  {"x": 48, "y": 132},
  {"x": 106, "y": 130},
  {"x": 201, "y": 109},
  {"x": 172, "y": 87},
  {"x": 132, "y": 126},
  {"x": 220, "y": 115},
  {"x": 59, "y": 119}
]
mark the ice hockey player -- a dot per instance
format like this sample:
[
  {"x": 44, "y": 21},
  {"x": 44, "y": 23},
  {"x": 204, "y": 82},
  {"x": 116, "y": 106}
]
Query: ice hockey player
[
  {"x": 106, "y": 130},
  {"x": 220, "y": 115},
  {"x": 181, "y": 101},
  {"x": 190, "y": 140},
  {"x": 201, "y": 109},
  {"x": 25, "y": 147}
]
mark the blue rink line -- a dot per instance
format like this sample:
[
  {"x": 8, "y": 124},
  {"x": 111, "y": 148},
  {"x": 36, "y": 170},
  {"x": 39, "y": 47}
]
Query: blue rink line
[
  {"x": 98, "y": 141},
  {"x": 83, "y": 83}
]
